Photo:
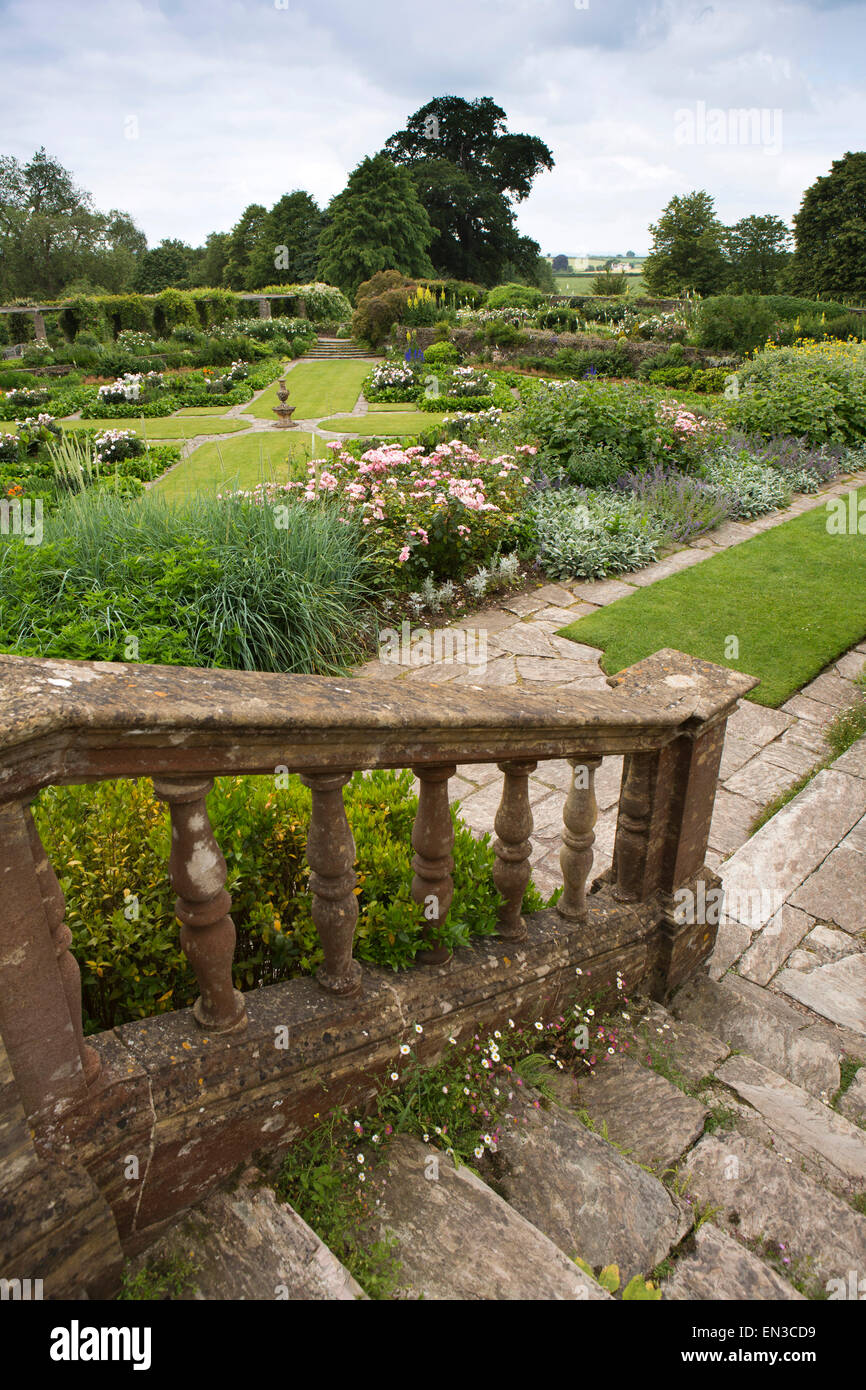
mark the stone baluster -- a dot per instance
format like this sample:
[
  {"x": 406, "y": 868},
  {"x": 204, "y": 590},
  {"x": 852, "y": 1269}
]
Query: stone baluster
[
  {"x": 513, "y": 846},
  {"x": 433, "y": 863},
  {"x": 331, "y": 857},
  {"x": 198, "y": 876},
  {"x": 578, "y": 837},
  {"x": 37, "y": 990},
  {"x": 631, "y": 852},
  {"x": 54, "y": 905}
]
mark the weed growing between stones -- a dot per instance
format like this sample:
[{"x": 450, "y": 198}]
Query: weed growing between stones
[
  {"x": 165, "y": 1278},
  {"x": 799, "y": 1271}
]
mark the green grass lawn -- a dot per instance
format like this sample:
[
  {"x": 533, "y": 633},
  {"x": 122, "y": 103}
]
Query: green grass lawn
[
  {"x": 163, "y": 426},
  {"x": 381, "y": 422},
  {"x": 580, "y": 282},
  {"x": 794, "y": 597},
  {"x": 203, "y": 410},
  {"x": 315, "y": 389},
  {"x": 254, "y": 458}
]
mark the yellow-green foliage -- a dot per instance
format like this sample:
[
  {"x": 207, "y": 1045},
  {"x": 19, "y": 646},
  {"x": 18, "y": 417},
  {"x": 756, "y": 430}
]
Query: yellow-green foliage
[{"x": 110, "y": 845}]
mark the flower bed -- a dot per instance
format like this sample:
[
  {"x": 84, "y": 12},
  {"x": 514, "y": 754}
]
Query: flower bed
[
  {"x": 437, "y": 513},
  {"x": 391, "y": 381}
]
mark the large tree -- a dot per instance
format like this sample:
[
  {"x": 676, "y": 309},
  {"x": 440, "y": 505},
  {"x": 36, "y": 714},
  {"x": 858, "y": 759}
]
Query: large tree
[
  {"x": 469, "y": 171},
  {"x": 688, "y": 248},
  {"x": 243, "y": 240},
  {"x": 166, "y": 266},
  {"x": 376, "y": 223},
  {"x": 211, "y": 259},
  {"x": 287, "y": 250},
  {"x": 830, "y": 231},
  {"x": 51, "y": 234},
  {"x": 758, "y": 249}
]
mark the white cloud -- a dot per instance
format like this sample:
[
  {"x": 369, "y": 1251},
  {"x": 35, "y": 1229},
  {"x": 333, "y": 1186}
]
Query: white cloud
[{"x": 241, "y": 100}]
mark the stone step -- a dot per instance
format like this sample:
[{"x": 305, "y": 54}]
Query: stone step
[
  {"x": 719, "y": 1268},
  {"x": 585, "y": 1196},
  {"x": 762, "y": 1198},
  {"x": 457, "y": 1239},
  {"x": 837, "y": 991},
  {"x": 802, "y": 1128},
  {"x": 641, "y": 1111},
  {"x": 753, "y": 1020},
  {"x": 659, "y": 1039},
  {"x": 245, "y": 1245}
]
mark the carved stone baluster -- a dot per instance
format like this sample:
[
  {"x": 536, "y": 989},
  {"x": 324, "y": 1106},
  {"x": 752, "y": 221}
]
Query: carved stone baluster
[
  {"x": 54, "y": 904},
  {"x": 513, "y": 826},
  {"x": 198, "y": 876},
  {"x": 331, "y": 857},
  {"x": 432, "y": 840},
  {"x": 631, "y": 851},
  {"x": 38, "y": 1029},
  {"x": 578, "y": 837}
]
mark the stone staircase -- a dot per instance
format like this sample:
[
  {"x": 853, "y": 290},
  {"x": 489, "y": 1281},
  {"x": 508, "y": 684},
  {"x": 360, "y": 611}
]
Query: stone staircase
[
  {"x": 332, "y": 348},
  {"x": 704, "y": 1154}
]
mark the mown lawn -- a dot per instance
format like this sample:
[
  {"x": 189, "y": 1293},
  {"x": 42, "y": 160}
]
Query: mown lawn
[
  {"x": 793, "y": 597},
  {"x": 254, "y": 458},
  {"x": 580, "y": 282},
  {"x": 162, "y": 426},
  {"x": 315, "y": 389},
  {"x": 394, "y": 422}
]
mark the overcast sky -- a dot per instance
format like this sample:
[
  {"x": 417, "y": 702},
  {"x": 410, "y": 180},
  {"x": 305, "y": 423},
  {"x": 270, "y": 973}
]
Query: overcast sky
[{"x": 183, "y": 111}]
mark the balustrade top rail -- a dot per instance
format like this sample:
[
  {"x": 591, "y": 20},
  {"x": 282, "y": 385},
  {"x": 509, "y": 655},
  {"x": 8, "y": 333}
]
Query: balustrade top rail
[{"x": 79, "y": 721}]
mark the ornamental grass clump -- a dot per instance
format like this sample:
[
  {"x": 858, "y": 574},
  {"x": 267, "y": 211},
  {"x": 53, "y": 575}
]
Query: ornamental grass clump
[{"x": 203, "y": 583}]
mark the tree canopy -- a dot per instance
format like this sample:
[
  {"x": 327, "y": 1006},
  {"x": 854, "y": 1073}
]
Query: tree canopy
[
  {"x": 51, "y": 234},
  {"x": 376, "y": 223},
  {"x": 830, "y": 231},
  {"x": 688, "y": 248},
  {"x": 468, "y": 171},
  {"x": 758, "y": 249}
]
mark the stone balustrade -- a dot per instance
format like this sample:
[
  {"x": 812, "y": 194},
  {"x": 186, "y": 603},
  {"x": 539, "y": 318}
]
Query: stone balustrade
[{"x": 82, "y": 722}]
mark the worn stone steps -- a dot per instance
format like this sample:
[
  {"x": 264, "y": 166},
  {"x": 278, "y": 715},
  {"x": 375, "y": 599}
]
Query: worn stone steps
[
  {"x": 244, "y": 1245},
  {"x": 687, "y": 1158},
  {"x": 335, "y": 348},
  {"x": 457, "y": 1239}
]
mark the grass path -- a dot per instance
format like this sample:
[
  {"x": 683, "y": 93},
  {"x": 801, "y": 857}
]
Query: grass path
[
  {"x": 315, "y": 389},
  {"x": 793, "y": 597},
  {"x": 257, "y": 456},
  {"x": 162, "y": 427}
]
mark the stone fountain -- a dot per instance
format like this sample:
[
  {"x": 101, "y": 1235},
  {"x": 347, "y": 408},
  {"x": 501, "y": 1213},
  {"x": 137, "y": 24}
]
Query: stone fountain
[{"x": 282, "y": 411}]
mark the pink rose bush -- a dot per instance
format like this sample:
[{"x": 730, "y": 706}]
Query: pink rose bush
[{"x": 440, "y": 513}]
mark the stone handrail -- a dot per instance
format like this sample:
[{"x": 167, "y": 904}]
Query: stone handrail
[{"x": 78, "y": 722}]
